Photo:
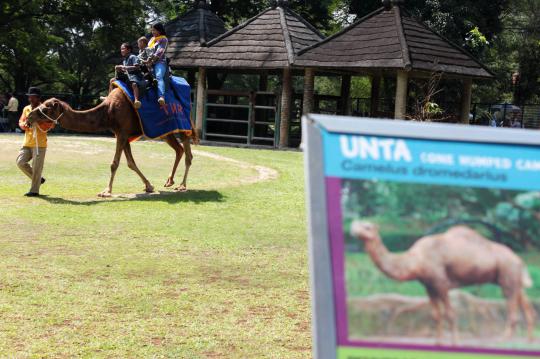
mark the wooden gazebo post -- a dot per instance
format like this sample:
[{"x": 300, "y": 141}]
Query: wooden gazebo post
[
  {"x": 308, "y": 102},
  {"x": 309, "y": 91},
  {"x": 201, "y": 96},
  {"x": 286, "y": 94},
  {"x": 466, "y": 99},
  {"x": 401, "y": 95}
]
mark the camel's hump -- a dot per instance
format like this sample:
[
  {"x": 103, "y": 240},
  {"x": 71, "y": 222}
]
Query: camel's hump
[
  {"x": 457, "y": 236},
  {"x": 463, "y": 229}
]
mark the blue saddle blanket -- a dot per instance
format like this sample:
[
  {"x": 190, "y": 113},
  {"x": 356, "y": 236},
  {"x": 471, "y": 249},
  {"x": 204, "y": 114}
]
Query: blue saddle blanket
[{"x": 158, "y": 121}]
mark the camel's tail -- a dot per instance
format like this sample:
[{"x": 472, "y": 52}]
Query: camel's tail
[
  {"x": 195, "y": 135},
  {"x": 526, "y": 279}
]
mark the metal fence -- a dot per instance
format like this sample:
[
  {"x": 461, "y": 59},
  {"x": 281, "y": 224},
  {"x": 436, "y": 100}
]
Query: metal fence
[{"x": 506, "y": 115}]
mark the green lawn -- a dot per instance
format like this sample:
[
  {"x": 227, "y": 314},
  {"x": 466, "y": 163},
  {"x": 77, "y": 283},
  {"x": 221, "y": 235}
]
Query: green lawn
[{"x": 218, "y": 272}]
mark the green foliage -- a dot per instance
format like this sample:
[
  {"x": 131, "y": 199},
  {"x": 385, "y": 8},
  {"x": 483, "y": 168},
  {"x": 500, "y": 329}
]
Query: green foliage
[
  {"x": 364, "y": 279},
  {"x": 69, "y": 45},
  {"x": 475, "y": 39},
  {"x": 433, "y": 109},
  {"x": 65, "y": 46},
  {"x": 409, "y": 211}
]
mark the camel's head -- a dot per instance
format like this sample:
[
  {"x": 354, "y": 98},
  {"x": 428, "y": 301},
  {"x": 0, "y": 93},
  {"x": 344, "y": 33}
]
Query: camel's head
[
  {"x": 364, "y": 231},
  {"x": 49, "y": 111}
]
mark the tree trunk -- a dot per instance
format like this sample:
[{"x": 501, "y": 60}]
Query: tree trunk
[
  {"x": 263, "y": 82},
  {"x": 346, "y": 95},
  {"x": 375, "y": 95},
  {"x": 466, "y": 98}
]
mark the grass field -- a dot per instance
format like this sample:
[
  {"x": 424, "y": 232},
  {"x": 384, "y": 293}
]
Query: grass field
[
  {"x": 218, "y": 272},
  {"x": 364, "y": 279}
]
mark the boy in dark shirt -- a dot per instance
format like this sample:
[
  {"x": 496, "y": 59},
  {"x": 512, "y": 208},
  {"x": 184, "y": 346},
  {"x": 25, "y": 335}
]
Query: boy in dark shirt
[{"x": 130, "y": 73}]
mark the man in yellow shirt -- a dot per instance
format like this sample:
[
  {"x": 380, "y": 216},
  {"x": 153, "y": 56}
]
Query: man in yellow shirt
[{"x": 35, "y": 144}]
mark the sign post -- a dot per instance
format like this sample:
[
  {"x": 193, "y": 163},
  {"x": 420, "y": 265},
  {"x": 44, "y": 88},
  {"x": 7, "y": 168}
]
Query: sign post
[{"x": 424, "y": 239}]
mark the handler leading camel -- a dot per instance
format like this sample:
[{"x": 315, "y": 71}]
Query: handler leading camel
[
  {"x": 35, "y": 144},
  {"x": 118, "y": 116}
]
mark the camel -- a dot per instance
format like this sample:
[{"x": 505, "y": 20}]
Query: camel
[
  {"x": 456, "y": 258},
  {"x": 118, "y": 116}
]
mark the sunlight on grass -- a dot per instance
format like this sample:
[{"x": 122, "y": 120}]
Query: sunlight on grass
[{"x": 220, "y": 271}]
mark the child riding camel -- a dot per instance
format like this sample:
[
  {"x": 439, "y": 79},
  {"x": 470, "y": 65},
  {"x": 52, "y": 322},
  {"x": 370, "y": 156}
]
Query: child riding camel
[
  {"x": 145, "y": 59},
  {"x": 130, "y": 73},
  {"x": 159, "y": 43}
]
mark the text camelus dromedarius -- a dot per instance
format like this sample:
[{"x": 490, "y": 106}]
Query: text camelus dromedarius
[
  {"x": 457, "y": 258},
  {"x": 117, "y": 115}
]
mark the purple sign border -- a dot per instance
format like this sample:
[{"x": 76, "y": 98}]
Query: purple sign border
[{"x": 337, "y": 247}]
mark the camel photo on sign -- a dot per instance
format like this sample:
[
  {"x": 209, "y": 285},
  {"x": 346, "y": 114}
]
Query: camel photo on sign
[{"x": 440, "y": 265}]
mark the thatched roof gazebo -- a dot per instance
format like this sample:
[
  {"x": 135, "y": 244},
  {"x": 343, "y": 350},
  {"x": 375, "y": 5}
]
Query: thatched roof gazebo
[
  {"x": 390, "y": 41},
  {"x": 188, "y": 33},
  {"x": 268, "y": 42}
]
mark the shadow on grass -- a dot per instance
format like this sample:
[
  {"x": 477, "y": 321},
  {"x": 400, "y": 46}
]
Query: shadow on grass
[{"x": 193, "y": 196}]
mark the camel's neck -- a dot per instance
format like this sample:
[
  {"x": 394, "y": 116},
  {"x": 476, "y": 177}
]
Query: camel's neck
[
  {"x": 93, "y": 120},
  {"x": 396, "y": 266}
]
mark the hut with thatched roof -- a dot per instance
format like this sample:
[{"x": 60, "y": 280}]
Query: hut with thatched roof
[
  {"x": 188, "y": 33},
  {"x": 266, "y": 43},
  {"x": 390, "y": 42}
]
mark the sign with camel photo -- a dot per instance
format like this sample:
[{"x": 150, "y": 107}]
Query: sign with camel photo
[{"x": 424, "y": 239}]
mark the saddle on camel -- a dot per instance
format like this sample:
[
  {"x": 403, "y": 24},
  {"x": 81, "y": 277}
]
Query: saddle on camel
[{"x": 118, "y": 114}]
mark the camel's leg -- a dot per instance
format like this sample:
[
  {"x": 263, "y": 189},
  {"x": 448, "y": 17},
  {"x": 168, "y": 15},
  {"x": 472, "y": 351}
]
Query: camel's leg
[
  {"x": 436, "y": 314},
  {"x": 133, "y": 166},
  {"x": 189, "y": 159},
  {"x": 512, "y": 304},
  {"x": 120, "y": 143},
  {"x": 450, "y": 316},
  {"x": 173, "y": 142},
  {"x": 530, "y": 315}
]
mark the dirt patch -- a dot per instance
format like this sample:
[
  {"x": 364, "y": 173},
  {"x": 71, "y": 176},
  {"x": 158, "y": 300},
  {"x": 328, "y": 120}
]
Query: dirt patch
[
  {"x": 403, "y": 319},
  {"x": 157, "y": 341},
  {"x": 264, "y": 173}
]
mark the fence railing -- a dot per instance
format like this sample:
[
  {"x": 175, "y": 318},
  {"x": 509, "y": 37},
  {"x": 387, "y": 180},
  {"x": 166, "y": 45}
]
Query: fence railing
[
  {"x": 506, "y": 115},
  {"x": 253, "y": 118},
  {"x": 250, "y": 118}
]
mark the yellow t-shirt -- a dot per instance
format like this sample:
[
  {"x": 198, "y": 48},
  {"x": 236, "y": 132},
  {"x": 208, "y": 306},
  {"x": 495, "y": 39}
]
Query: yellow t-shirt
[{"x": 29, "y": 139}]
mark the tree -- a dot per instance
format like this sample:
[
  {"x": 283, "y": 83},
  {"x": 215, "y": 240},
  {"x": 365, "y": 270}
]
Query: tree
[
  {"x": 511, "y": 217},
  {"x": 24, "y": 46},
  {"x": 524, "y": 26},
  {"x": 92, "y": 39}
]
